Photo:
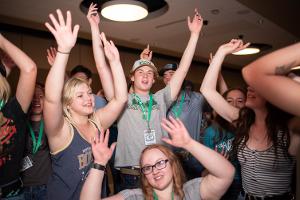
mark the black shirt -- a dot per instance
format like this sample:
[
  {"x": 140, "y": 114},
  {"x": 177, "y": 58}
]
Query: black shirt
[{"x": 12, "y": 138}]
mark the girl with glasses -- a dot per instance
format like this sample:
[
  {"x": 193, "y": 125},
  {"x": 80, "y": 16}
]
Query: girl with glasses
[{"x": 161, "y": 173}]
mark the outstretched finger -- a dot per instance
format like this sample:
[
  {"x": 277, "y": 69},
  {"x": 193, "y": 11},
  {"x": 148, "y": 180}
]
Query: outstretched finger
[
  {"x": 53, "y": 51},
  {"x": 174, "y": 122},
  {"x": 69, "y": 19},
  {"x": 101, "y": 135},
  {"x": 50, "y": 28},
  {"x": 60, "y": 17},
  {"x": 167, "y": 140},
  {"x": 189, "y": 21},
  {"x": 106, "y": 137},
  {"x": 75, "y": 30},
  {"x": 168, "y": 123},
  {"x": 166, "y": 127},
  {"x": 113, "y": 146},
  {"x": 103, "y": 37}
]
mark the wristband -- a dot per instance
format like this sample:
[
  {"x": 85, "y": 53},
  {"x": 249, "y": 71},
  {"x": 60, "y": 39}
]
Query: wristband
[
  {"x": 98, "y": 166},
  {"x": 62, "y": 52}
]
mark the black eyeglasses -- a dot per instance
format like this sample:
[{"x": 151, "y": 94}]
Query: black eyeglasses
[{"x": 159, "y": 165}]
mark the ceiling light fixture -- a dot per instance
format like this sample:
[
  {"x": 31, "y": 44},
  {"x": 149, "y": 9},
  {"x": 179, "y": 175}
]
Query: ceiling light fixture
[
  {"x": 296, "y": 68},
  {"x": 248, "y": 51},
  {"x": 253, "y": 48},
  {"x": 127, "y": 10},
  {"x": 124, "y": 10}
]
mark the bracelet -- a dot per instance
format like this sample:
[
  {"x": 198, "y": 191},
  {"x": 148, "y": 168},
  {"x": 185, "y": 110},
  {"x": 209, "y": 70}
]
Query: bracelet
[
  {"x": 62, "y": 52},
  {"x": 98, "y": 166}
]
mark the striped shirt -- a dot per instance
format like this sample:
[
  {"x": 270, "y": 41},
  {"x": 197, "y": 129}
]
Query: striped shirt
[{"x": 264, "y": 174}]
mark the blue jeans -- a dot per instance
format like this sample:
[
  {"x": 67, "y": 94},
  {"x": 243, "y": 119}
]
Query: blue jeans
[
  {"x": 38, "y": 192},
  {"x": 191, "y": 167},
  {"x": 129, "y": 182}
]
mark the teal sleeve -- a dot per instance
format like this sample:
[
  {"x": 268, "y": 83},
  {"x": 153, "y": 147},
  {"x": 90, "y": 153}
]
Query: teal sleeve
[{"x": 209, "y": 136}]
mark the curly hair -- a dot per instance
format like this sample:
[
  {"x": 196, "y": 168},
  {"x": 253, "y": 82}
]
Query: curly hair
[{"x": 178, "y": 173}]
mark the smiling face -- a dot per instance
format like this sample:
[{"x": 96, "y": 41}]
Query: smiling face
[
  {"x": 236, "y": 98},
  {"x": 37, "y": 101},
  {"x": 83, "y": 100},
  {"x": 254, "y": 100},
  {"x": 159, "y": 179},
  {"x": 143, "y": 79},
  {"x": 78, "y": 98}
]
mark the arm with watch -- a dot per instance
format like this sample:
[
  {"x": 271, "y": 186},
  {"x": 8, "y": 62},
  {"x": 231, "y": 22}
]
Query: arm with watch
[{"x": 102, "y": 153}]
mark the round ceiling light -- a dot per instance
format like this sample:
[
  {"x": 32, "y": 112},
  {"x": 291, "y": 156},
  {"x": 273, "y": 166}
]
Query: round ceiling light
[
  {"x": 247, "y": 51},
  {"x": 127, "y": 10},
  {"x": 124, "y": 10},
  {"x": 253, "y": 48}
]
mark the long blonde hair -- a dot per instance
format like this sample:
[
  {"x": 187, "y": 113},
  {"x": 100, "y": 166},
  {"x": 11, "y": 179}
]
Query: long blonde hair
[
  {"x": 68, "y": 95},
  {"x": 4, "y": 89},
  {"x": 178, "y": 173}
]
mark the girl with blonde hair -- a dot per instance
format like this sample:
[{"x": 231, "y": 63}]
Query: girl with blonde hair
[{"x": 69, "y": 114}]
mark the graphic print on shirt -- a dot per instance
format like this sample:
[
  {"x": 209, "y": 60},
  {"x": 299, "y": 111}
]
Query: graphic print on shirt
[
  {"x": 85, "y": 158},
  {"x": 7, "y": 131},
  {"x": 134, "y": 105}
]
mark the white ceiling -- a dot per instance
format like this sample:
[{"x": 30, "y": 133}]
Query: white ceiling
[{"x": 167, "y": 34}]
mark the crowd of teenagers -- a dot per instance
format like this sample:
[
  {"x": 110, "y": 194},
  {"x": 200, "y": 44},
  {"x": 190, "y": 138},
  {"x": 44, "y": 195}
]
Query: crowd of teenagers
[{"x": 59, "y": 141}]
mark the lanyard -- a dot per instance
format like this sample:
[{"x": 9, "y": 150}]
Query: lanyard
[
  {"x": 177, "y": 109},
  {"x": 142, "y": 106},
  {"x": 1, "y": 104},
  {"x": 155, "y": 197},
  {"x": 36, "y": 144}
]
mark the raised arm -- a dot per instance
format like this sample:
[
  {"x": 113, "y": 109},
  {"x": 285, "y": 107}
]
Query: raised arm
[
  {"x": 112, "y": 110},
  {"x": 66, "y": 39},
  {"x": 91, "y": 189},
  {"x": 267, "y": 76},
  {"x": 222, "y": 85},
  {"x": 28, "y": 72},
  {"x": 195, "y": 26},
  {"x": 98, "y": 51},
  {"x": 221, "y": 172},
  {"x": 209, "y": 83}
]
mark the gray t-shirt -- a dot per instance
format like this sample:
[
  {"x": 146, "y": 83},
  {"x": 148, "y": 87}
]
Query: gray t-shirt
[
  {"x": 131, "y": 126},
  {"x": 191, "y": 114},
  {"x": 191, "y": 191}
]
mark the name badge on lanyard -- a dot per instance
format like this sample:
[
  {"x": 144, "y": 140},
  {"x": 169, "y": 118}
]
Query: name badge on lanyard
[
  {"x": 27, "y": 161},
  {"x": 149, "y": 134},
  {"x": 149, "y": 137}
]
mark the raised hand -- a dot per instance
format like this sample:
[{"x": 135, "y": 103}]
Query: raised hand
[
  {"x": 233, "y": 46},
  {"x": 195, "y": 25},
  {"x": 179, "y": 136},
  {"x": 146, "y": 54},
  {"x": 51, "y": 54},
  {"x": 101, "y": 152},
  {"x": 93, "y": 16},
  {"x": 62, "y": 31},
  {"x": 110, "y": 50}
]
